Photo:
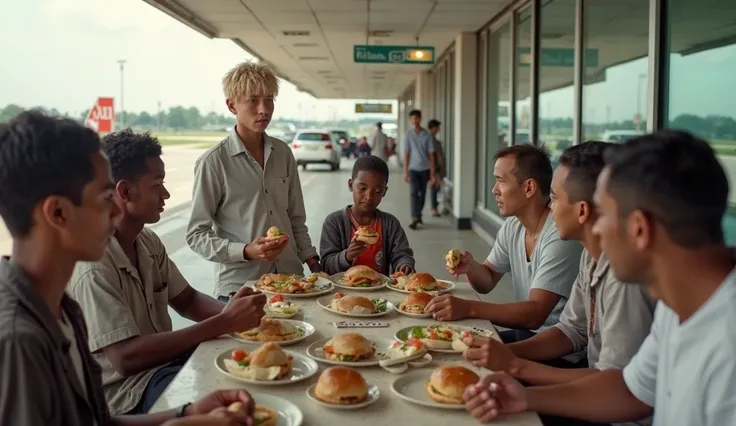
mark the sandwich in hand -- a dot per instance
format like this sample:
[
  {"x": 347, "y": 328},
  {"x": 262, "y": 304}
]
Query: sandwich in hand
[
  {"x": 272, "y": 330},
  {"x": 452, "y": 258},
  {"x": 416, "y": 303},
  {"x": 357, "y": 304},
  {"x": 448, "y": 382},
  {"x": 273, "y": 233},
  {"x": 262, "y": 416},
  {"x": 341, "y": 385},
  {"x": 361, "y": 276},
  {"x": 349, "y": 347},
  {"x": 367, "y": 235},
  {"x": 269, "y": 362},
  {"x": 421, "y": 281}
]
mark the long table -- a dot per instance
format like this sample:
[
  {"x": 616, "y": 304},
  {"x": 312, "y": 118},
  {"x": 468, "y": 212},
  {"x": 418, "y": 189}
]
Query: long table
[{"x": 199, "y": 376}]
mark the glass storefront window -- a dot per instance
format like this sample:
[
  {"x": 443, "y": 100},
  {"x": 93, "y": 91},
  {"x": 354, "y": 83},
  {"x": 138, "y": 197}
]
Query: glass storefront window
[
  {"x": 701, "y": 66},
  {"x": 523, "y": 76},
  {"x": 556, "y": 76},
  {"x": 497, "y": 103},
  {"x": 616, "y": 43}
]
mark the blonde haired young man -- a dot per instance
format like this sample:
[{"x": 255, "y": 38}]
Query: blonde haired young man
[{"x": 246, "y": 184}]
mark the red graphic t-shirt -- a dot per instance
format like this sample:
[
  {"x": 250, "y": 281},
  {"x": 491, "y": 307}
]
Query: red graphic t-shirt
[{"x": 372, "y": 256}]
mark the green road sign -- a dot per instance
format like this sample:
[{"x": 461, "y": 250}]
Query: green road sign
[
  {"x": 366, "y": 54},
  {"x": 374, "y": 108},
  {"x": 558, "y": 57}
]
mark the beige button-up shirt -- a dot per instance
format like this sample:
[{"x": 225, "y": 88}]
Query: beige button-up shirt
[
  {"x": 235, "y": 201},
  {"x": 120, "y": 302},
  {"x": 610, "y": 318}
]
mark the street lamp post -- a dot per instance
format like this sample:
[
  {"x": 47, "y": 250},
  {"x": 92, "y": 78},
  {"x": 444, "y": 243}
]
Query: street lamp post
[{"x": 122, "y": 101}]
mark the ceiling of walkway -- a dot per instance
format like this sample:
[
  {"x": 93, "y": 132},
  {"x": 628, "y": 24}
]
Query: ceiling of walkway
[{"x": 310, "y": 42}]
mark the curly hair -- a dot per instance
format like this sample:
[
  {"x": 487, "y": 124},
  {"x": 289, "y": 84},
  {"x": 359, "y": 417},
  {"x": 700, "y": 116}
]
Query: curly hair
[{"x": 127, "y": 152}]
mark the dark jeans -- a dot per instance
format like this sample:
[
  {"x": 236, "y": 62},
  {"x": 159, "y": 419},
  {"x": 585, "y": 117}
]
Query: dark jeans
[
  {"x": 434, "y": 191},
  {"x": 158, "y": 384},
  {"x": 418, "y": 182}
]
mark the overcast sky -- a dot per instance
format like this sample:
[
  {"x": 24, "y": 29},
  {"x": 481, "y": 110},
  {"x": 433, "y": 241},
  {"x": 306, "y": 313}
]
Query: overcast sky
[{"x": 63, "y": 54}]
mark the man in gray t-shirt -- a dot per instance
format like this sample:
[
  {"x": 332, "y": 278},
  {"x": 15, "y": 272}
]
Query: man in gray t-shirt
[
  {"x": 419, "y": 165},
  {"x": 543, "y": 267}
]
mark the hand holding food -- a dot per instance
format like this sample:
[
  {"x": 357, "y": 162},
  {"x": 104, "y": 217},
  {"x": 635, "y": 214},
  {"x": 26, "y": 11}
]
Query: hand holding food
[
  {"x": 244, "y": 310},
  {"x": 342, "y": 386},
  {"x": 462, "y": 265},
  {"x": 367, "y": 235},
  {"x": 450, "y": 308},
  {"x": 494, "y": 395},
  {"x": 354, "y": 250},
  {"x": 265, "y": 248},
  {"x": 489, "y": 353},
  {"x": 273, "y": 233},
  {"x": 448, "y": 383}
]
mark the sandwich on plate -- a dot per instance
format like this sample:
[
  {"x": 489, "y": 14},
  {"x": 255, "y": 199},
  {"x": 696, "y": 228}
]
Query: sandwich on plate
[
  {"x": 416, "y": 303},
  {"x": 357, "y": 304},
  {"x": 286, "y": 284},
  {"x": 272, "y": 330},
  {"x": 452, "y": 258},
  {"x": 436, "y": 336},
  {"x": 367, "y": 235},
  {"x": 399, "y": 279},
  {"x": 341, "y": 386},
  {"x": 421, "y": 281},
  {"x": 348, "y": 347},
  {"x": 278, "y": 306},
  {"x": 448, "y": 382},
  {"x": 408, "y": 349},
  {"x": 273, "y": 233},
  {"x": 268, "y": 362},
  {"x": 361, "y": 276},
  {"x": 262, "y": 416}
]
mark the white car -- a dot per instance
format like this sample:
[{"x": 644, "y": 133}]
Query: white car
[{"x": 316, "y": 146}]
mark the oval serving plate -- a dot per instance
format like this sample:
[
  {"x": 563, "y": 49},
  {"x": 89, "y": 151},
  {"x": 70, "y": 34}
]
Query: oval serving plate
[
  {"x": 337, "y": 279},
  {"x": 325, "y": 302},
  {"x": 302, "y": 368},
  {"x": 306, "y": 328},
  {"x": 403, "y": 335},
  {"x": 315, "y": 352},
  {"x": 322, "y": 286}
]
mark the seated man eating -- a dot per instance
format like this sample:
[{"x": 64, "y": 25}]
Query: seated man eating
[
  {"x": 126, "y": 295},
  {"x": 609, "y": 318},
  {"x": 543, "y": 267},
  {"x": 360, "y": 234}
]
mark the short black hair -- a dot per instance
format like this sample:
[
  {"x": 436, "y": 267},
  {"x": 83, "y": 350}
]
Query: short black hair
[
  {"x": 676, "y": 179},
  {"x": 585, "y": 162},
  {"x": 532, "y": 162},
  {"x": 370, "y": 163},
  {"x": 415, "y": 112},
  {"x": 433, "y": 123},
  {"x": 41, "y": 156},
  {"x": 128, "y": 151}
]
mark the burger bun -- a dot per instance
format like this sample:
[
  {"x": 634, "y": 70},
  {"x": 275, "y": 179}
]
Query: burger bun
[{"x": 448, "y": 382}]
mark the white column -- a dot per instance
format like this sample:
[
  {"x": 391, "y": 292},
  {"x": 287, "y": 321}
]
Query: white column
[
  {"x": 465, "y": 129},
  {"x": 423, "y": 88}
]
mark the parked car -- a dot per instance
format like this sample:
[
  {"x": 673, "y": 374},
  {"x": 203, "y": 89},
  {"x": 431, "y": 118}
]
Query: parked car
[
  {"x": 345, "y": 140},
  {"x": 316, "y": 146}
]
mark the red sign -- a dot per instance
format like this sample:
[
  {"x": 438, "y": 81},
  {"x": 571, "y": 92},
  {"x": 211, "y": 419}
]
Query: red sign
[{"x": 101, "y": 117}]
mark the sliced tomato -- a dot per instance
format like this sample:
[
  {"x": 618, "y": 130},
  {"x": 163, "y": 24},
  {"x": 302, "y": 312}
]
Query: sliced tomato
[
  {"x": 239, "y": 355},
  {"x": 327, "y": 349},
  {"x": 277, "y": 298},
  {"x": 415, "y": 342},
  {"x": 339, "y": 295}
]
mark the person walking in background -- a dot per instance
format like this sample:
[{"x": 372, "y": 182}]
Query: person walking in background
[
  {"x": 440, "y": 169},
  {"x": 364, "y": 149},
  {"x": 419, "y": 165},
  {"x": 379, "y": 143}
]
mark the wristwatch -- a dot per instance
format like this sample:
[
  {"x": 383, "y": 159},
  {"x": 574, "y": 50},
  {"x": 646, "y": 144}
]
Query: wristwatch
[{"x": 182, "y": 412}]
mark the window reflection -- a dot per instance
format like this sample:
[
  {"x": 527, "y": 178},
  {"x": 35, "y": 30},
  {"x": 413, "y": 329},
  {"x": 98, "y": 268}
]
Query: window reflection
[
  {"x": 523, "y": 76},
  {"x": 556, "y": 76},
  {"x": 701, "y": 76},
  {"x": 616, "y": 43},
  {"x": 497, "y": 103}
]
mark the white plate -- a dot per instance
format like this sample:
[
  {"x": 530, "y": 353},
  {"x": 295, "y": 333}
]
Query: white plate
[
  {"x": 277, "y": 315},
  {"x": 411, "y": 388},
  {"x": 307, "y": 327},
  {"x": 315, "y": 352},
  {"x": 326, "y": 301},
  {"x": 289, "y": 413},
  {"x": 449, "y": 287},
  {"x": 302, "y": 369},
  {"x": 323, "y": 286},
  {"x": 373, "y": 394},
  {"x": 412, "y": 315},
  {"x": 337, "y": 279},
  {"x": 401, "y": 335}
]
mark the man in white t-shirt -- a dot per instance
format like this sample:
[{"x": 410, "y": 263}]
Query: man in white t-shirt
[
  {"x": 661, "y": 201},
  {"x": 543, "y": 267}
]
